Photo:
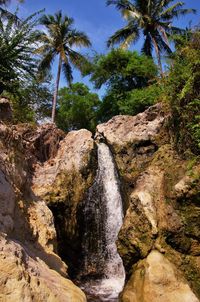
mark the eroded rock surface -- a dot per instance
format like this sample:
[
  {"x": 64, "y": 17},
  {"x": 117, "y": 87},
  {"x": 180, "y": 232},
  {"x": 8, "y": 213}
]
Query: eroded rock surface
[
  {"x": 62, "y": 182},
  {"x": 162, "y": 206},
  {"x": 30, "y": 268},
  {"x": 44, "y": 176},
  {"x": 156, "y": 279},
  {"x": 24, "y": 277}
]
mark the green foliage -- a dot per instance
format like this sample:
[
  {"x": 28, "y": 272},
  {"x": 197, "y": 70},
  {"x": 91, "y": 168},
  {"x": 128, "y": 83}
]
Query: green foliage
[
  {"x": 122, "y": 70},
  {"x": 5, "y": 14},
  {"x": 182, "y": 88},
  {"x": 60, "y": 39},
  {"x": 17, "y": 45},
  {"x": 77, "y": 108},
  {"x": 124, "y": 73},
  {"x": 32, "y": 102},
  {"x": 151, "y": 18},
  {"x": 140, "y": 99}
]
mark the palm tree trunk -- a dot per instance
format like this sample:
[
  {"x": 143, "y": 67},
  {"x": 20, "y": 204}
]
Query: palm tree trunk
[
  {"x": 158, "y": 58},
  {"x": 56, "y": 91},
  {"x": 160, "y": 64}
]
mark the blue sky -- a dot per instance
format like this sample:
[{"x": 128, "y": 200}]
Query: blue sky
[{"x": 96, "y": 19}]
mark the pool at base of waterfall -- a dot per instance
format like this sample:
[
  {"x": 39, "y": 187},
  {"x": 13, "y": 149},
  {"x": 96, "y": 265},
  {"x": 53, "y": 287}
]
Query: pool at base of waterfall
[{"x": 106, "y": 290}]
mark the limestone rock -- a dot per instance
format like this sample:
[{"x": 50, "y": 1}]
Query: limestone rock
[
  {"x": 24, "y": 278},
  {"x": 156, "y": 279},
  {"x": 30, "y": 269},
  {"x": 73, "y": 157},
  {"x": 62, "y": 182},
  {"x": 147, "y": 215},
  {"x": 124, "y": 129}
]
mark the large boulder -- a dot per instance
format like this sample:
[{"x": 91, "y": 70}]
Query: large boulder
[
  {"x": 156, "y": 279},
  {"x": 62, "y": 182},
  {"x": 24, "y": 277}
]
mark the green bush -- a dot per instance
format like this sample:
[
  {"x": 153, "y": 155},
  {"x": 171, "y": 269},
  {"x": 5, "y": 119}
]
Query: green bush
[
  {"x": 140, "y": 99},
  {"x": 77, "y": 108},
  {"x": 182, "y": 87}
]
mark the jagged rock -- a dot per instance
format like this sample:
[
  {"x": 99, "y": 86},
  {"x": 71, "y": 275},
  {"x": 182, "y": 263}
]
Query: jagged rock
[
  {"x": 24, "y": 277},
  {"x": 73, "y": 157},
  {"x": 30, "y": 269},
  {"x": 156, "y": 279},
  {"x": 44, "y": 176},
  {"x": 161, "y": 197},
  {"x": 5, "y": 110},
  {"x": 62, "y": 182},
  {"x": 124, "y": 129}
]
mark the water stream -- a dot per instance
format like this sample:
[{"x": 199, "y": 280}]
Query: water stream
[{"x": 103, "y": 214}]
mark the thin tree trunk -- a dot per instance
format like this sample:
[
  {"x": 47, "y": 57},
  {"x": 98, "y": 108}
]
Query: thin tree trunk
[
  {"x": 56, "y": 90},
  {"x": 158, "y": 58}
]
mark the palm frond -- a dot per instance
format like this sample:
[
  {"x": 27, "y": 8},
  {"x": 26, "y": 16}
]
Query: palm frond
[
  {"x": 176, "y": 11},
  {"x": 173, "y": 30},
  {"x": 78, "y": 60},
  {"x": 46, "y": 62},
  {"x": 161, "y": 44},
  {"x": 67, "y": 71},
  {"x": 123, "y": 34},
  {"x": 127, "y": 9},
  {"x": 77, "y": 38}
]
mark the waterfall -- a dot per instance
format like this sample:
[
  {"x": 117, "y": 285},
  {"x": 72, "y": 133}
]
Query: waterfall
[{"x": 103, "y": 216}]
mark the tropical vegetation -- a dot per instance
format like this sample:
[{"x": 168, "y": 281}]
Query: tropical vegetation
[
  {"x": 60, "y": 40},
  {"x": 78, "y": 108},
  {"x": 17, "y": 45},
  {"x": 122, "y": 72},
  {"x": 129, "y": 81},
  {"x": 152, "y": 19}
]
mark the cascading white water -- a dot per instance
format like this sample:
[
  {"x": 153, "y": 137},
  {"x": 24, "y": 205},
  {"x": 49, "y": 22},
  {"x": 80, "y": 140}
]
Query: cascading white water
[{"x": 104, "y": 217}]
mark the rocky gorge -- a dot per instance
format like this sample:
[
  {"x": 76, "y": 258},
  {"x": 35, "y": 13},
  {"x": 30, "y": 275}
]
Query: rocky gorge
[{"x": 46, "y": 177}]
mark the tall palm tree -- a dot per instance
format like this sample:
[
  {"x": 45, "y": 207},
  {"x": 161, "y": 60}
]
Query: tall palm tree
[
  {"x": 153, "y": 19},
  {"x": 60, "y": 41}
]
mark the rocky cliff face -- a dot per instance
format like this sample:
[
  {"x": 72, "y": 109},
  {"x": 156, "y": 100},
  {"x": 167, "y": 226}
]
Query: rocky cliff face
[
  {"x": 159, "y": 241},
  {"x": 44, "y": 178},
  {"x": 30, "y": 268}
]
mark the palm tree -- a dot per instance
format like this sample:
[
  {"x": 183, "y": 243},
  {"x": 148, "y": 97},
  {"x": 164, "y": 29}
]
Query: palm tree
[
  {"x": 17, "y": 46},
  {"x": 5, "y": 13},
  {"x": 153, "y": 19},
  {"x": 60, "y": 41}
]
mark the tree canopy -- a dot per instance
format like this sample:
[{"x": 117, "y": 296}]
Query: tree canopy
[
  {"x": 150, "y": 18},
  {"x": 121, "y": 72},
  {"x": 78, "y": 108}
]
